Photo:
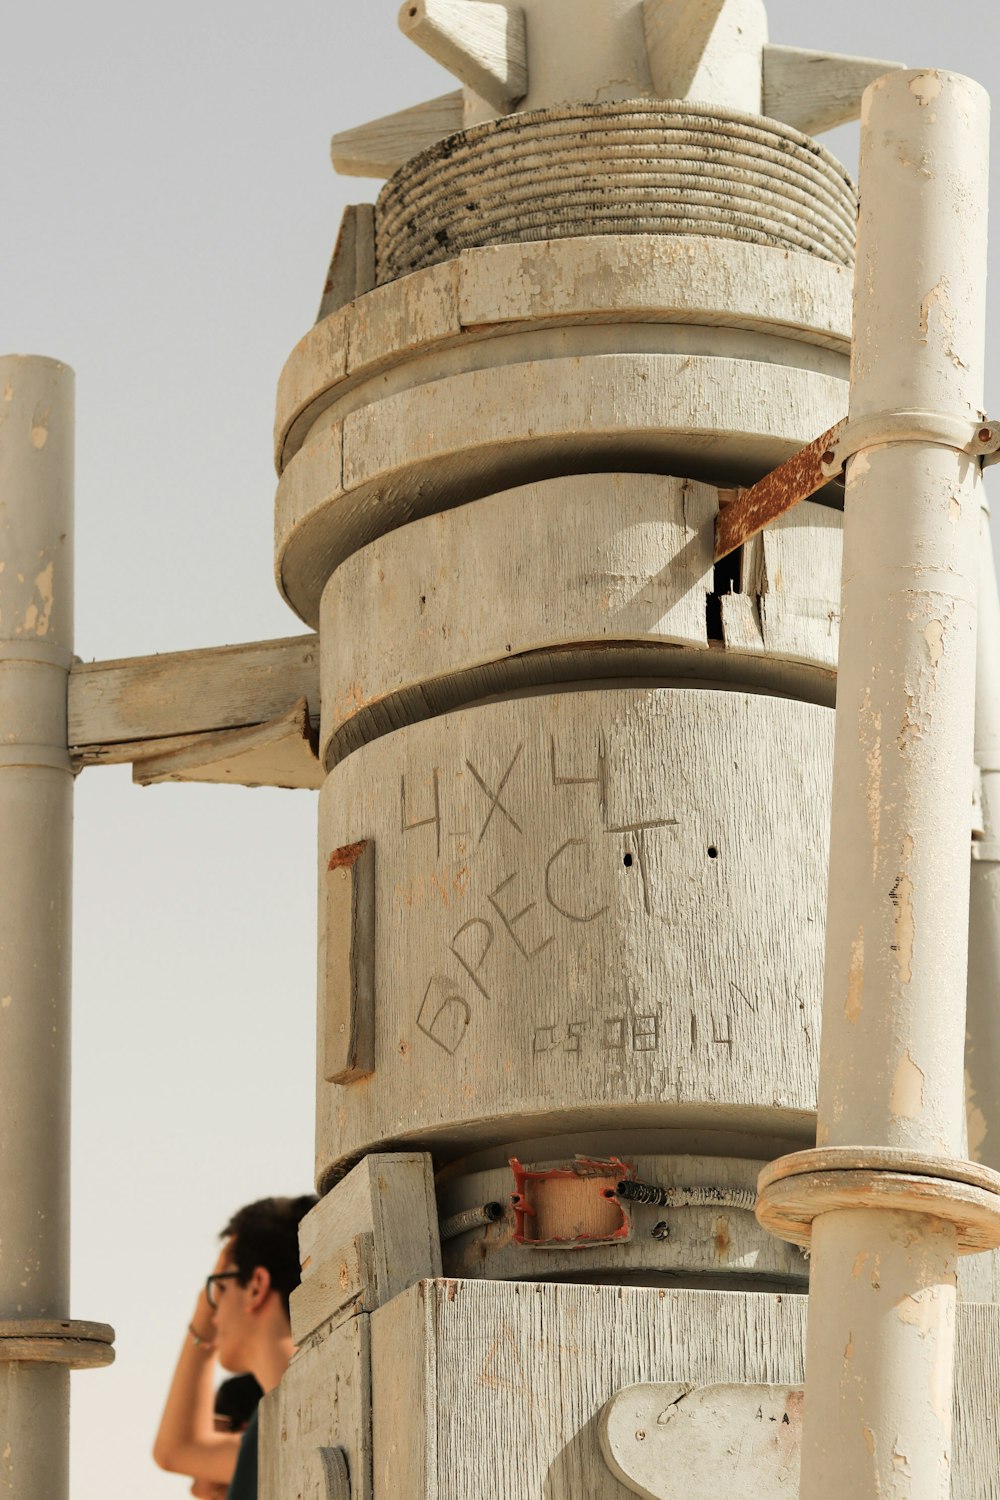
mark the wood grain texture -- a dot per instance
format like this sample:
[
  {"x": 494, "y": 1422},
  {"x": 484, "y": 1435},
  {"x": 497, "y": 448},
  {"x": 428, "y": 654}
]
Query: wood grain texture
[
  {"x": 428, "y": 619},
  {"x": 460, "y": 438},
  {"x": 117, "y": 706},
  {"x": 281, "y": 753},
  {"x": 584, "y": 901},
  {"x": 816, "y": 91},
  {"x": 391, "y": 1197},
  {"x": 707, "y": 50},
  {"x": 502, "y": 1385},
  {"x": 352, "y": 265},
  {"x": 323, "y": 1402},
  {"x": 339, "y": 1287},
  {"x": 607, "y": 278},
  {"x": 381, "y": 147},
  {"x": 347, "y": 964},
  {"x": 481, "y": 42}
]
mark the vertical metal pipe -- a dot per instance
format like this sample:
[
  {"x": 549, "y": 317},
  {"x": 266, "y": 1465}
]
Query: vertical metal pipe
[
  {"x": 880, "y": 1351},
  {"x": 982, "y": 1052},
  {"x": 36, "y": 802}
]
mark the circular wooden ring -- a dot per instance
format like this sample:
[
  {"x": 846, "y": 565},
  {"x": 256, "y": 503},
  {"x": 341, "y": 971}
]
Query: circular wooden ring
[
  {"x": 59, "y": 1341},
  {"x": 787, "y": 1206},
  {"x": 878, "y": 1159}
]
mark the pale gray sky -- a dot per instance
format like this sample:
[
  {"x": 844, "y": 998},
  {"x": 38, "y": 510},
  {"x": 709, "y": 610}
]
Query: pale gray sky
[{"x": 168, "y": 211}]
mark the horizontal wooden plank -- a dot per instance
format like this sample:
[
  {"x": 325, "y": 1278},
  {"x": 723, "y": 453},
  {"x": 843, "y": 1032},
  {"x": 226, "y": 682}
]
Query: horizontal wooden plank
[
  {"x": 380, "y": 147},
  {"x": 117, "y": 707},
  {"x": 281, "y": 753},
  {"x": 342, "y": 1285}
]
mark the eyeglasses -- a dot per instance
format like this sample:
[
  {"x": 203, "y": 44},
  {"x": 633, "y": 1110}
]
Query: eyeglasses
[{"x": 210, "y": 1281}]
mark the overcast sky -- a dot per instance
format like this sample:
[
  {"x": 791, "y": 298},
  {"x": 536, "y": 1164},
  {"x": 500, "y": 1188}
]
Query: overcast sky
[{"x": 168, "y": 215}]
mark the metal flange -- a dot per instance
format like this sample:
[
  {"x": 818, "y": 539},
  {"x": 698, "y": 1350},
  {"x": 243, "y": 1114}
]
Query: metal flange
[
  {"x": 980, "y": 439},
  {"x": 796, "y": 1189},
  {"x": 56, "y": 1341}
]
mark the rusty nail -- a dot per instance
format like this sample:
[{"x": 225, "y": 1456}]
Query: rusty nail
[
  {"x": 828, "y": 456},
  {"x": 985, "y": 433}
]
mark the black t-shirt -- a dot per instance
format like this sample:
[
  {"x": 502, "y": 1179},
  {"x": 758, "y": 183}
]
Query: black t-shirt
[{"x": 243, "y": 1485}]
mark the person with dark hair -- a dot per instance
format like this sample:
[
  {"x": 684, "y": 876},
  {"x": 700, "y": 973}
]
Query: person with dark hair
[
  {"x": 241, "y": 1321},
  {"x": 235, "y": 1403}
]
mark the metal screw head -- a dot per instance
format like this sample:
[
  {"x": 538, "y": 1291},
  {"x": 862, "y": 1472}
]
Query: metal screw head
[
  {"x": 985, "y": 433},
  {"x": 828, "y": 457}
]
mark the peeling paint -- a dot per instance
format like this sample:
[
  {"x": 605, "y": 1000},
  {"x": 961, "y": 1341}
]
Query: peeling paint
[
  {"x": 934, "y": 636},
  {"x": 904, "y": 926},
  {"x": 955, "y": 510},
  {"x": 936, "y": 297},
  {"x": 39, "y": 436},
  {"x": 859, "y": 1264},
  {"x": 6, "y": 1002},
  {"x": 855, "y": 979},
  {"x": 926, "y": 87},
  {"x": 920, "y": 1312},
  {"x": 907, "y": 1098},
  {"x": 869, "y": 1438}
]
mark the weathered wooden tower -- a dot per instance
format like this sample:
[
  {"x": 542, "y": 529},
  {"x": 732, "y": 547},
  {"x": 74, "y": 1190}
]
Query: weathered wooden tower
[{"x": 576, "y": 469}]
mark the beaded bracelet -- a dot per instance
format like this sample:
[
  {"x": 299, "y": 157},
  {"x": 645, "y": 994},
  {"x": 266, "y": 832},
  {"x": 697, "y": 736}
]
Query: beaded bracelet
[{"x": 199, "y": 1342}]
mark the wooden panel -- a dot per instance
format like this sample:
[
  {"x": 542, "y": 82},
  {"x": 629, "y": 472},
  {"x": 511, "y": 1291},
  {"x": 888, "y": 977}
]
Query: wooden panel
[
  {"x": 456, "y": 439},
  {"x": 590, "y": 280},
  {"x": 323, "y": 1402},
  {"x": 342, "y": 1285},
  {"x": 380, "y": 147},
  {"x": 589, "y": 918},
  {"x": 116, "y": 706},
  {"x": 391, "y": 1197},
  {"x": 815, "y": 91},
  {"x": 503, "y": 1384},
  {"x": 347, "y": 964},
  {"x": 508, "y": 1409},
  {"x": 279, "y": 754},
  {"x": 573, "y": 561}
]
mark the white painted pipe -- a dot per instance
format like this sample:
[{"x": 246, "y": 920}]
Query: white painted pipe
[
  {"x": 982, "y": 1052},
  {"x": 36, "y": 792},
  {"x": 891, "y": 1066}
]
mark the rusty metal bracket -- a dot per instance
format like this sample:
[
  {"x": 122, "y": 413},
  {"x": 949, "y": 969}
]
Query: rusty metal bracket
[{"x": 749, "y": 511}]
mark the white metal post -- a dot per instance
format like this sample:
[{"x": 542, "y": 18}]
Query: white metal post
[
  {"x": 983, "y": 1043},
  {"x": 886, "y": 1235},
  {"x": 36, "y": 796}
]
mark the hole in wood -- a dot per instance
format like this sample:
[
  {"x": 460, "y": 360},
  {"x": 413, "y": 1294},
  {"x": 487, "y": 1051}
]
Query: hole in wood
[
  {"x": 713, "y": 853},
  {"x": 628, "y": 861}
]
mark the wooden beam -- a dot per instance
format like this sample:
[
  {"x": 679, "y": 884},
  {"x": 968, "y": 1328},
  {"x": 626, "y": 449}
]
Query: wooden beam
[
  {"x": 121, "y": 711},
  {"x": 481, "y": 42},
  {"x": 380, "y": 148},
  {"x": 352, "y": 266},
  {"x": 281, "y": 753},
  {"x": 815, "y": 91}
]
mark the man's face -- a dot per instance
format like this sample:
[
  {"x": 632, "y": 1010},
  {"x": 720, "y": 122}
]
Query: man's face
[{"x": 232, "y": 1319}]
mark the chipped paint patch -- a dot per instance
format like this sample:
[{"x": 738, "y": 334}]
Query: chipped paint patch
[
  {"x": 855, "y": 979},
  {"x": 936, "y": 297},
  {"x": 6, "y": 1002},
  {"x": 907, "y": 1098},
  {"x": 869, "y": 1438},
  {"x": 904, "y": 925},
  {"x": 860, "y": 1261},
  {"x": 926, "y": 87},
  {"x": 955, "y": 511},
  {"x": 849, "y": 1348},
  {"x": 37, "y": 617},
  {"x": 934, "y": 636},
  {"x": 39, "y": 436},
  {"x": 922, "y": 1311}
]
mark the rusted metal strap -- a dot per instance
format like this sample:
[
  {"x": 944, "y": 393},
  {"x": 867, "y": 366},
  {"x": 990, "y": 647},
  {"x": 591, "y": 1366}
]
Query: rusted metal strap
[{"x": 796, "y": 479}]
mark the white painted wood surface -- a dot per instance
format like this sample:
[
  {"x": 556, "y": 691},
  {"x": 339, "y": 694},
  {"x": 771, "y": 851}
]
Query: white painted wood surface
[
  {"x": 481, "y": 42},
  {"x": 503, "y": 1384},
  {"x": 605, "y": 279},
  {"x": 323, "y": 1401},
  {"x": 707, "y": 50},
  {"x": 675, "y": 1442},
  {"x": 457, "y": 439},
  {"x": 391, "y": 1197},
  {"x": 427, "y": 619},
  {"x": 556, "y": 936},
  {"x": 816, "y": 91},
  {"x": 381, "y": 147},
  {"x": 121, "y": 710},
  {"x": 279, "y": 754}
]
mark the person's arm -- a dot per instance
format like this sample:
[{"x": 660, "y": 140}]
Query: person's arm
[{"x": 186, "y": 1442}]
